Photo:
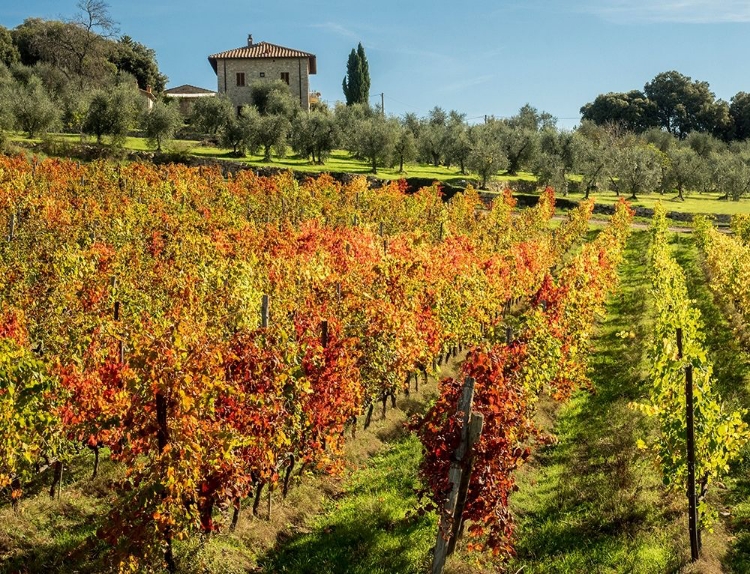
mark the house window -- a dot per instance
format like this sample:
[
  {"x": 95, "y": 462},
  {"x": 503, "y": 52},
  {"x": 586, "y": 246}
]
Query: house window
[
  {"x": 285, "y": 76},
  {"x": 240, "y": 79},
  {"x": 262, "y": 74}
]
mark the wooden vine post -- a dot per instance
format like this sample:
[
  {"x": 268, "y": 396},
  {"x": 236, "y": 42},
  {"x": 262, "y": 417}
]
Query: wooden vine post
[
  {"x": 459, "y": 477},
  {"x": 695, "y": 546},
  {"x": 11, "y": 226},
  {"x": 264, "y": 320}
]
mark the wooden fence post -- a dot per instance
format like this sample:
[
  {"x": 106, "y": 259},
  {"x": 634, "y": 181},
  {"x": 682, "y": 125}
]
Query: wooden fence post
[
  {"x": 476, "y": 422},
  {"x": 11, "y": 226},
  {"x": 691, "y": 493},
  {"x": 264, "y": 312},
  {"x": 450, "y": 519},
  {"x": 116, "y": 317}
]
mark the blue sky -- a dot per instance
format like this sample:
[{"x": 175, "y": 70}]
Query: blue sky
[{"x": 477, "y": 56}]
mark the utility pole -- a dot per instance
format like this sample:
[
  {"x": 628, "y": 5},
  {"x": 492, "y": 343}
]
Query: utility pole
[{"x": 382, "y": 103}]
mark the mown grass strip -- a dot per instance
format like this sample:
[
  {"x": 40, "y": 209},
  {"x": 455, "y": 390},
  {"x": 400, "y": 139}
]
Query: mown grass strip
[{"x": 592, "y": 502}]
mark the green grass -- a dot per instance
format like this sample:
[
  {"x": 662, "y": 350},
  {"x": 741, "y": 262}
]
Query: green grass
[
  {"x": 695, "y": 203},
  {"x": 592, "y": 503},
  {"x": 58, "y": 535},
  {"x": 341, "y": 161},
  {"x": 372, "y": 528},
  {"x": 732, "y": 380}
]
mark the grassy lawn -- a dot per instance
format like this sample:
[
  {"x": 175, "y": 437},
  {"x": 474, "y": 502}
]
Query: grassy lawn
[
  {"x": 694, "y": 203},
  {"x": 341, "y": 161}
]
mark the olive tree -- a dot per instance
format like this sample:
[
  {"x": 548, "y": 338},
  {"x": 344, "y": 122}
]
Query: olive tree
[
  {"x": 556, "y": 158},
  {"x": 160, "y": 123},
  {"x": 487, "y": 156},
  {"x": 211, "y": 114},
  {"x": 733, "y": 172},
  {"x": 686, "y": 170},
  {"x": 405, "y": 147},
  {"x": 113, "y": 113},
  {"x": 33, "y": 110},
  {"x": 314, "y": 135},
  {"x": 638, "y": 168},
  {"x": 375, "y": 140},
  {"x": 592, "y": 158}
]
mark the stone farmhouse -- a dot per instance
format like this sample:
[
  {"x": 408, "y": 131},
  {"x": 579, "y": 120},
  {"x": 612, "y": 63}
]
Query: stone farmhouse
[{"x": 237, "y": 70}]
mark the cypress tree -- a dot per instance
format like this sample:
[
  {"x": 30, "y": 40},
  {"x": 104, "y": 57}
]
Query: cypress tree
[
  {"x": 364, "y": 83},
  {"x": 357, "y": 80},
  {"x": 352, "y": 78}
]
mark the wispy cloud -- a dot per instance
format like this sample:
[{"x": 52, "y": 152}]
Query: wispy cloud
[
  {"x": 336, "y": 29},
  {"x": 466, "y": 83},
  {"x": 675, "y": 11}
]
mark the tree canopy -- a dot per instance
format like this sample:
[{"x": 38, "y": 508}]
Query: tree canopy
[
  {"x": 672, "y": 102},
  {"x": 84, "y": 48}
]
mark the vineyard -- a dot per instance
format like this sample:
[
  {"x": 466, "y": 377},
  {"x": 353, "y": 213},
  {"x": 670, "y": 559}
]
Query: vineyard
[{"x": 219, "y": 340}]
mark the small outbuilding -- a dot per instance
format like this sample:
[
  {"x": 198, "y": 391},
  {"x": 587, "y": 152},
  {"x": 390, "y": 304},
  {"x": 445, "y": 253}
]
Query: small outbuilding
[{"x": 186, "y": 95}]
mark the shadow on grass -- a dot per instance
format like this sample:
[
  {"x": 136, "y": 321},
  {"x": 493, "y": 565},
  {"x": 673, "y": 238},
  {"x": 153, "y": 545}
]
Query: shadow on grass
[
  {"x": 591, "y": 502},
  {"x": 732, "y": 376},
  {"x": 68, "y": 545},
  {"x": 371, "y": 529}
]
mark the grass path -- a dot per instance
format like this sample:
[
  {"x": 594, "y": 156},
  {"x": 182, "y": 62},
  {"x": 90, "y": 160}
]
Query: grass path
[
  {"x": 732, "y": 374},
  {"x": 592, "y": 503}
]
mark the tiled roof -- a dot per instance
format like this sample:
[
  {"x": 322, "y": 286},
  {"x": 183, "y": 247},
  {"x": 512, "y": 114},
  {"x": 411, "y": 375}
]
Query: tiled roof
[
  {"x": 188, "y": 89},
  {"x": 263, "y": 50}
]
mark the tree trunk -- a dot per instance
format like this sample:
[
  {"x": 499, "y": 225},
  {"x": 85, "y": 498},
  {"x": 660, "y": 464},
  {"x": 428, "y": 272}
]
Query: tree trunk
[
  {"x": 256, "y": 502},
  {"x": 206, "y": 516},
  {"x": 169, "y": 556},
  {"x": 374, "y": 165},
  {"x": 15, "y": 485},
  {"x": 56, "y": 479},
  {"x": 368, "y": 418},
  {"x": 288, "y": 475},
  {"x": 236, "y": 514},
  {"x": 96, "y": 460}
]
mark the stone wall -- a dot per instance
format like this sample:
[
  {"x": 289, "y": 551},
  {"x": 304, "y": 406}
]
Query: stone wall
[{"x": 297, "y": 68}]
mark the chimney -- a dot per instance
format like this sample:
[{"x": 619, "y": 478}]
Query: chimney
[{"x": 249, "y": 40}]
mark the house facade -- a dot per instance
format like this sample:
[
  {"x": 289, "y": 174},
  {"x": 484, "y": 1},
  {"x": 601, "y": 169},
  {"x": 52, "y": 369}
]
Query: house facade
[
  {"x": 239, "y": 69},
  {"x": 149, "y": 98}
]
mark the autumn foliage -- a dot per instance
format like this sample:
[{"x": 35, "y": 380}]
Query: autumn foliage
[{"x": 130, "y": 300}]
